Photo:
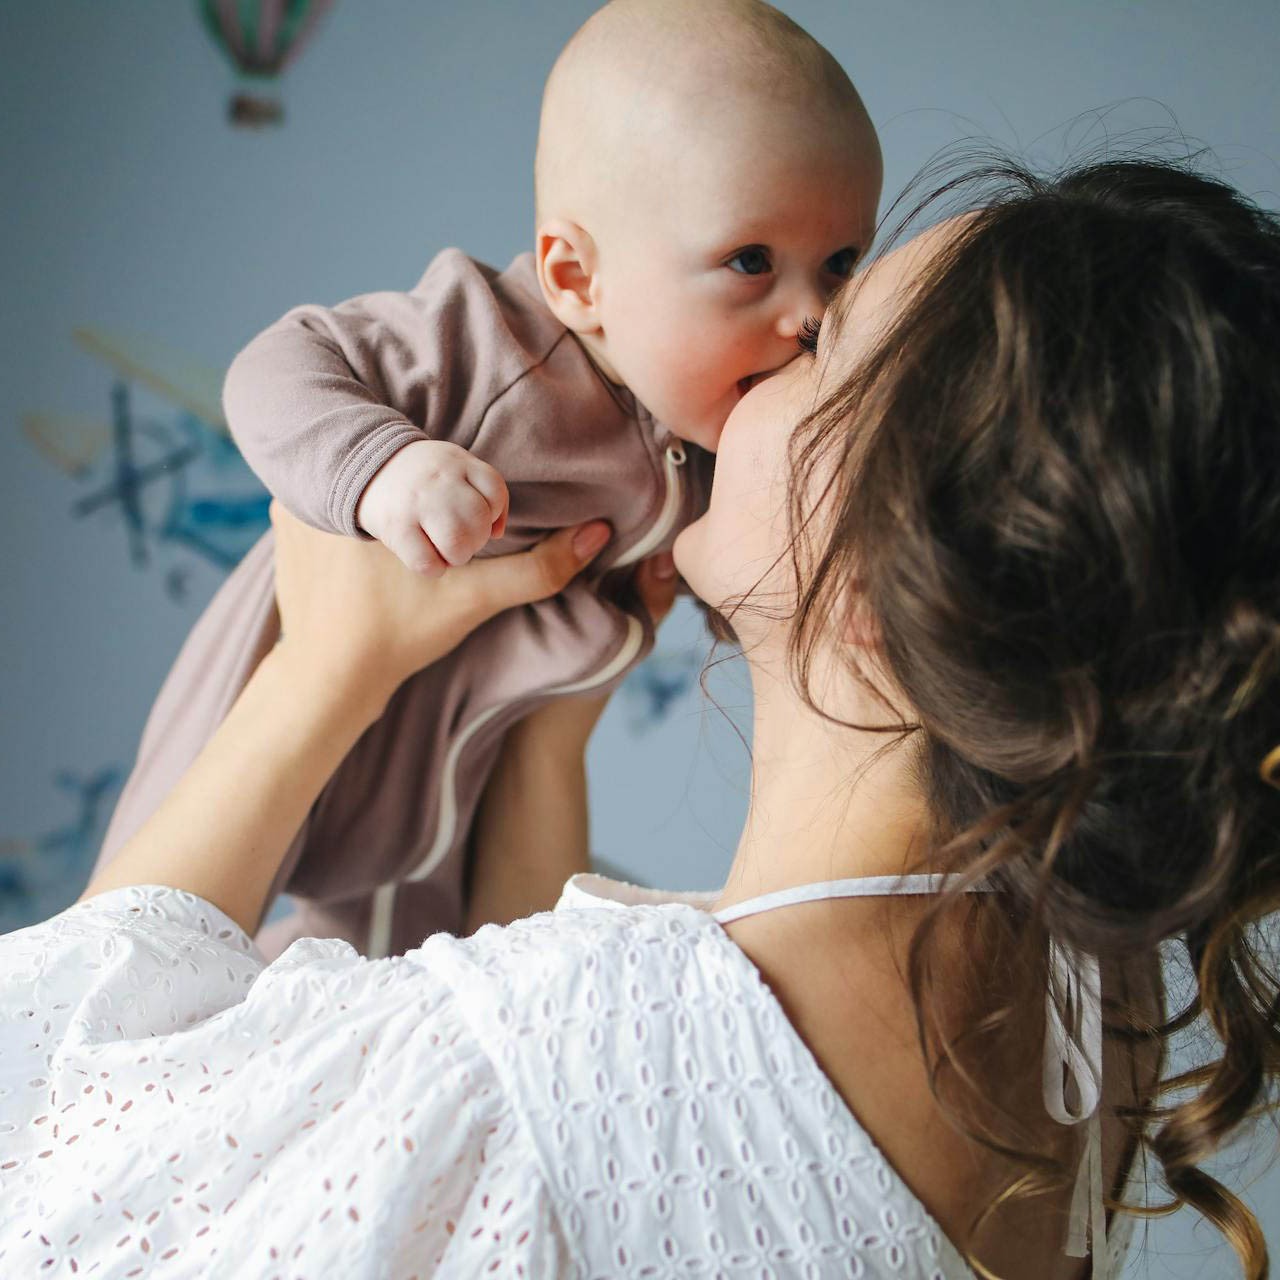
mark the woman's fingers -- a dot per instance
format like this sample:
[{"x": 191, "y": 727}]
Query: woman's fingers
[
  {"x": 539, "y": 572},
  {"x": 354, "y": 611}
]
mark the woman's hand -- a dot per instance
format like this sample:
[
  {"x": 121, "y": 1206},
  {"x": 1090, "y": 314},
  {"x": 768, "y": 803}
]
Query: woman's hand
[{"x": 352, "y": 613}]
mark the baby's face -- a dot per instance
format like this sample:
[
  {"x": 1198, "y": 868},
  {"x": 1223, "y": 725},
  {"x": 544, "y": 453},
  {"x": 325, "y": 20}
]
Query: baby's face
[{"x": 707, "y": 279}]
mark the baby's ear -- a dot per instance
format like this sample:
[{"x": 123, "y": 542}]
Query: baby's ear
[{"x": 566, "y": 261}]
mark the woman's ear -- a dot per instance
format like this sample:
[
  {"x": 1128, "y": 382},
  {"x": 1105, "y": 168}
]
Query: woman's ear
[
  {"x": 566, "y": 262},
  {"x": 861, "y": 628}
]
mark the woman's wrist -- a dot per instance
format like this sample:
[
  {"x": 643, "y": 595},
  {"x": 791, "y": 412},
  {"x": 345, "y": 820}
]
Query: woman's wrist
[{"x": 355, "y": 692}]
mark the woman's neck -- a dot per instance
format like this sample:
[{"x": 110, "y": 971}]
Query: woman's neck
[{"x": 827, "y": 802}]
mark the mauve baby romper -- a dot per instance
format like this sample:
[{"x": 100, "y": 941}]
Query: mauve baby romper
[{"x": 317, "y": 403}]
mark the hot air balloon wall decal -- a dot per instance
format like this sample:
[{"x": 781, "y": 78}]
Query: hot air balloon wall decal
[{"x": 260, "y": 38}]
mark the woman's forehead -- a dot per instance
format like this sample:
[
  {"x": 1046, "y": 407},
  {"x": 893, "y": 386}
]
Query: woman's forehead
[{"x": 869, "y": 302}]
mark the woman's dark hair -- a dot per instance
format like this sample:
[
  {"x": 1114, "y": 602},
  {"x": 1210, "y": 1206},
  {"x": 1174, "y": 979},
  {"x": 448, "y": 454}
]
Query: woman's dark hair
[{"x": 1056, "y": 481}]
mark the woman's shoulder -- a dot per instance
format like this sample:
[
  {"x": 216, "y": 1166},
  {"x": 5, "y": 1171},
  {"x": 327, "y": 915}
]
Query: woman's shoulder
[
  {"x": 590, "y": 949},
  {"x": 102, "y": 954},
  {"x": 662, "y": 1086},
  {"x": 143, "y": 1024}
]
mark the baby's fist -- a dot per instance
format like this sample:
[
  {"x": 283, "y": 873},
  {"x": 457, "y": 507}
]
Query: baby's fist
[{"x": 434, "y": 505}]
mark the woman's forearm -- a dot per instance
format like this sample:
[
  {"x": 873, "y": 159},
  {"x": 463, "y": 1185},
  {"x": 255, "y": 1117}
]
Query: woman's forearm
[
  {"x": 531, "y": 832},
  {"x": 224, "y": 829}
]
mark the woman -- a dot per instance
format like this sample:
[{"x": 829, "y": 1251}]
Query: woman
[{"x": 1008, "y": 597}]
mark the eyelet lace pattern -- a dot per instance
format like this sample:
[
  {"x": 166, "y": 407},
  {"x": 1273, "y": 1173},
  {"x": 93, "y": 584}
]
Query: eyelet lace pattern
[{"x": 589, "y": 1093}]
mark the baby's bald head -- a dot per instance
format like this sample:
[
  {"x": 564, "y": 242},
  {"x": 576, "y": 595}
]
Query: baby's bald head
[
  {"x": 706, "y": 179},
  {"x": 642, "y": 79}
]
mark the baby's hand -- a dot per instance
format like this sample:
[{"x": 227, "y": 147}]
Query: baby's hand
[{"x": 434, "y": 505}]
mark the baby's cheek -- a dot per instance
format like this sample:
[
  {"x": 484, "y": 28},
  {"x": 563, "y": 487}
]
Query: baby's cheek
[{"x": 702, "y": 370}]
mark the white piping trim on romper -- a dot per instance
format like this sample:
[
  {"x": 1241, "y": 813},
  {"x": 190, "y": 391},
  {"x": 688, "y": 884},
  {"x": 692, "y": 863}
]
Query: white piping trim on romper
[
  {"x": 384, "y": 895},
  {"x": 673, "y": 459}
]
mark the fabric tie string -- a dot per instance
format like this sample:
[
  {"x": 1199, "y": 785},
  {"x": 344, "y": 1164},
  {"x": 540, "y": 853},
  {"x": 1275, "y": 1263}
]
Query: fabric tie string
[
  {"x": 1072, "y": 1048},
  {"x": 1072, "y": 1089}
]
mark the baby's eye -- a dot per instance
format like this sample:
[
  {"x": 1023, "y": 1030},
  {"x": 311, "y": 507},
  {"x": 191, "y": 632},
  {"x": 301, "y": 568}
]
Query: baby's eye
[
  {"x": 842, "y": 262},
  {"x": 751, "y": 261},
  {"x": 807, "y": 338}
]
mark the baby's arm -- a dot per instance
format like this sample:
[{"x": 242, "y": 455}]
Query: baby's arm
[{"x": 354, "y": 417}]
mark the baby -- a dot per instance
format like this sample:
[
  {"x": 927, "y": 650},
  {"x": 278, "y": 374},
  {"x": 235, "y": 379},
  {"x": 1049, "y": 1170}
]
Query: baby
[{"x": 706, "y": 177}]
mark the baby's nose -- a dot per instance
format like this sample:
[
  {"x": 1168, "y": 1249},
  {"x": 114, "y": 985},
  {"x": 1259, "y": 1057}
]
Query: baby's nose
[{"x": 802, "y": 304}]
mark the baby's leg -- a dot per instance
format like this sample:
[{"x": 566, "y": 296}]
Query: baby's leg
[
  {"x": 403, "y": 802},
  {"x": 360, "y": 834}
]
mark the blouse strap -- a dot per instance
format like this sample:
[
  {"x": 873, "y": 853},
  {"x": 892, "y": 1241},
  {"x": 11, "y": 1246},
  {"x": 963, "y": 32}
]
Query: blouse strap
[{"x": 857, "y": 887}]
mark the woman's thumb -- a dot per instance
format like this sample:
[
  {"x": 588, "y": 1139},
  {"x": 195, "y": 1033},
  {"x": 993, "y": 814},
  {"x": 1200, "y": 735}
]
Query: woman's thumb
[{"x": 589, "y": 540}]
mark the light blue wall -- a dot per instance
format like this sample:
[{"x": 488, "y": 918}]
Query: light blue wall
[{"x": 128, "y": 203}]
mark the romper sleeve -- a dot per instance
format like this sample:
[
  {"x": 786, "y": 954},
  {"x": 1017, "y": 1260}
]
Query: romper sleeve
[
  {"x": 322, "y": 398},
  {"x": 164, "y": 1096}
]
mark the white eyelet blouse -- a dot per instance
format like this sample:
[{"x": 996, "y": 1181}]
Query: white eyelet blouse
[{"x": 601, "y": 1091}]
